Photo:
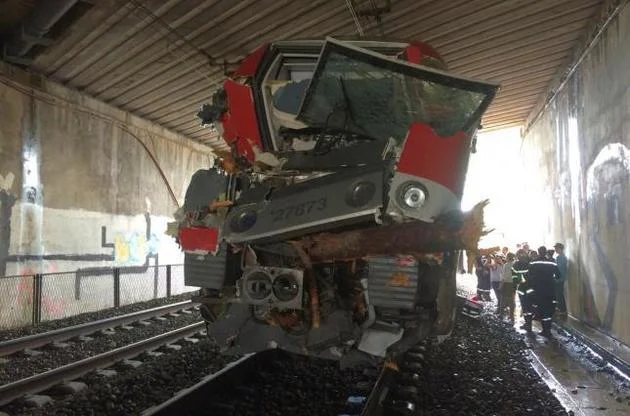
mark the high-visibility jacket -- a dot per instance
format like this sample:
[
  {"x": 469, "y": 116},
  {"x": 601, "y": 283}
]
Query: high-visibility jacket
[
  {"x": 542, "y": 277},
  {"x": 520, "y": 271}
]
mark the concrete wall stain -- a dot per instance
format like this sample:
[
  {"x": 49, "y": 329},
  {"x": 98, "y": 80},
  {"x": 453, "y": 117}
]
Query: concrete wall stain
[
  {"x": 579, "y": 150},
  {"x": 97, "y": 165},
  {"x": 7, "y": 201}
]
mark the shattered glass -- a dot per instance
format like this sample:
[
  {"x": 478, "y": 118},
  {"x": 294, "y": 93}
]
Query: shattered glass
[{"x": 358, "y": 96}]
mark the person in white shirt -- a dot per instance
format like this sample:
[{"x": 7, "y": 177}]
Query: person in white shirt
[{"x": 496, "y": 266}]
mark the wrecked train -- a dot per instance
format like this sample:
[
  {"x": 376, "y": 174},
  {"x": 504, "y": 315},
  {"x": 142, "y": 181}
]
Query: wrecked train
[{"x": 331, "y": 224}]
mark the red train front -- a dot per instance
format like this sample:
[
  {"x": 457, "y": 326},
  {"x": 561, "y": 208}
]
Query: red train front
[{"x": 295, "y": 237}]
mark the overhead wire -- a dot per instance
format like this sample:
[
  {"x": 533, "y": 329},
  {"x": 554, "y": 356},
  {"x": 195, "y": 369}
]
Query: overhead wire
[
  {"x": 143, "y": 11},
  {"x": 377, "y": 17},
  {"x": 211, "y": 60},
  {"x": 355, "y": 17},
  {"x": 566, "y": 76},
  {"x": 165, "y": 25},
  {"x": 56, "y": 101}
]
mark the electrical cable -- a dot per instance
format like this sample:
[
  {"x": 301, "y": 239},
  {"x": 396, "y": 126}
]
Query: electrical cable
[
  {"x": 377, "y": 16},
  {"x": 212, "y": 61},
  {"x": 170, "y": 29},
  {"x": 355, "y": 17},
  {"x": 50, "y": 99},
  {"x": 566, "y": 77}
]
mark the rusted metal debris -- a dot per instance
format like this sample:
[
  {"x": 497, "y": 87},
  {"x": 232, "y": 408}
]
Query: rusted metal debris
[
  {"x": 472, "y": 256},
  {"x": 451, "y": 232},
  {"x": 312, "y": 283},
  {"x": 216, "y": 205}
]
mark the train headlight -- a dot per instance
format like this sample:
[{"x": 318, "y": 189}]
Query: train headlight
[
  {"x": 243, "y": 221},
  {"x": 414, "y": 196},
  {"x": 258, "y": 285},
  {"x": 360, "y": 194},
  {"x": 286, "y": 287}
]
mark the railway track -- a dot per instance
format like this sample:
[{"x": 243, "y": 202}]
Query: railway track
[
  {"x": 394, "y": 393},
  {"x": 388, "y": 391},
  {"x": 32, "y": 342},
  {"x": 44, "y": 381}
]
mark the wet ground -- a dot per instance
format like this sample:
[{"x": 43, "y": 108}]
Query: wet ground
[
  {"x": 582, "y": 380},
  {"x": 579, "y": 384}
]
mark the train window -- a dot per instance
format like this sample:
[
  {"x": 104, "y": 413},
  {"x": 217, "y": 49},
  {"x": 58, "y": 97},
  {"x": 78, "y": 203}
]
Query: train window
[{"x": 284, "y": 89}]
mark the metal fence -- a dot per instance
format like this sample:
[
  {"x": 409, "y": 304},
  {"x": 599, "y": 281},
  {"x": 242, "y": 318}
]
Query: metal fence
[{"x": 31, "y": 299}]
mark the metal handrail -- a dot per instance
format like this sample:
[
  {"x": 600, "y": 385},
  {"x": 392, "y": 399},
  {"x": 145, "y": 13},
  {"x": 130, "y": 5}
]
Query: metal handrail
[{"x": 15, "y": 276}]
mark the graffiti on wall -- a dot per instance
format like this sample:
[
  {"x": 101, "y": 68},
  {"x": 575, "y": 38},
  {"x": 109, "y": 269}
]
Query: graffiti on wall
[
  {"x": 130, "y": 252},
  {"x": 133, "y": 247},
  {"x": 51, "y": 306}
]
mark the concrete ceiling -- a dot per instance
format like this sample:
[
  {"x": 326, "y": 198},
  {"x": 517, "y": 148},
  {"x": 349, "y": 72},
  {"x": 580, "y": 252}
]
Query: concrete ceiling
[
  {"x": 12, "y": 12},
  {"x": 161, "y": 59}
]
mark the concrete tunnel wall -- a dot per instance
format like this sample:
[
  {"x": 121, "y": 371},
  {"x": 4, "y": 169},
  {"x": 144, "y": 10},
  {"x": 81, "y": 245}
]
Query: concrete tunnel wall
[
  {"x": 578, "y": 161},
  {"x": 81, "y": 185}
]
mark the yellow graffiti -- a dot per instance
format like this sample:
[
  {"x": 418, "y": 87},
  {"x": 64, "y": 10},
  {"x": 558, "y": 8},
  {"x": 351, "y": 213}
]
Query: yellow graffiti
[
  {"x": 399, "y": 280},
  {"x": 122, "y": 249},
  {"x": 131, "y": 248}
]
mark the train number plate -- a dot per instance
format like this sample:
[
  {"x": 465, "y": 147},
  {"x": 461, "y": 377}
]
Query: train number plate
[{"x": 298, "y": 210}]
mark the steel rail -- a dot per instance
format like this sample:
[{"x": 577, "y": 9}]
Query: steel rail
[
  {"x": 373, "y": 404},
  {"x": 43, "y": 381},
  {"x": 194, "y": 397},
  {"x": 38, "y": 340}
]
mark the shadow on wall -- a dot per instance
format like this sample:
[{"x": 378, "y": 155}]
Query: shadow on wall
[
  {"x": 604, "y": 240},
  {"x": 7, "y": 201}
]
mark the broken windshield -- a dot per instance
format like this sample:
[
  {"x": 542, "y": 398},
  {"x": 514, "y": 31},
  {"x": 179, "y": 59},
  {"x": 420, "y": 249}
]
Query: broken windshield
[{"x": 364, "y": 92}]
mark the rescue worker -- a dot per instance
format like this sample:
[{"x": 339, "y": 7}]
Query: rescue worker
[
  {"x": 543, "y": 274},
  {"x": 519, "y": 276}
]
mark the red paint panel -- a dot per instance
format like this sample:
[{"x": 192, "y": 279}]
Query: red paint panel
[
  {"x": 199, "y": 239},
  {"x": 240, "y": 124},
  {"x": 417, "y": 52},
  {"x": 406, "y": 261},
  {"x": 440, "y": 159},
  {"x": 249, "y": 66}
]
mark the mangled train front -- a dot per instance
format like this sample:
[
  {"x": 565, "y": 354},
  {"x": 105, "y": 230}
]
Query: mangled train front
[{"x": 331, "y": 223}]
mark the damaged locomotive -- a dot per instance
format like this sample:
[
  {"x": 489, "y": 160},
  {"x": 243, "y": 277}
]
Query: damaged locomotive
[{"x": 331, "y": 224}]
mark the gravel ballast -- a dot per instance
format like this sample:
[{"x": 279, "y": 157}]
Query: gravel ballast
[
  {"x": 19, "y": 366},
  {"x": 291, "y": 385},
  {"x": 134, "y": 390},
  {"x": 12, "y": 333},
  {"x": 482, "y": 369}
]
